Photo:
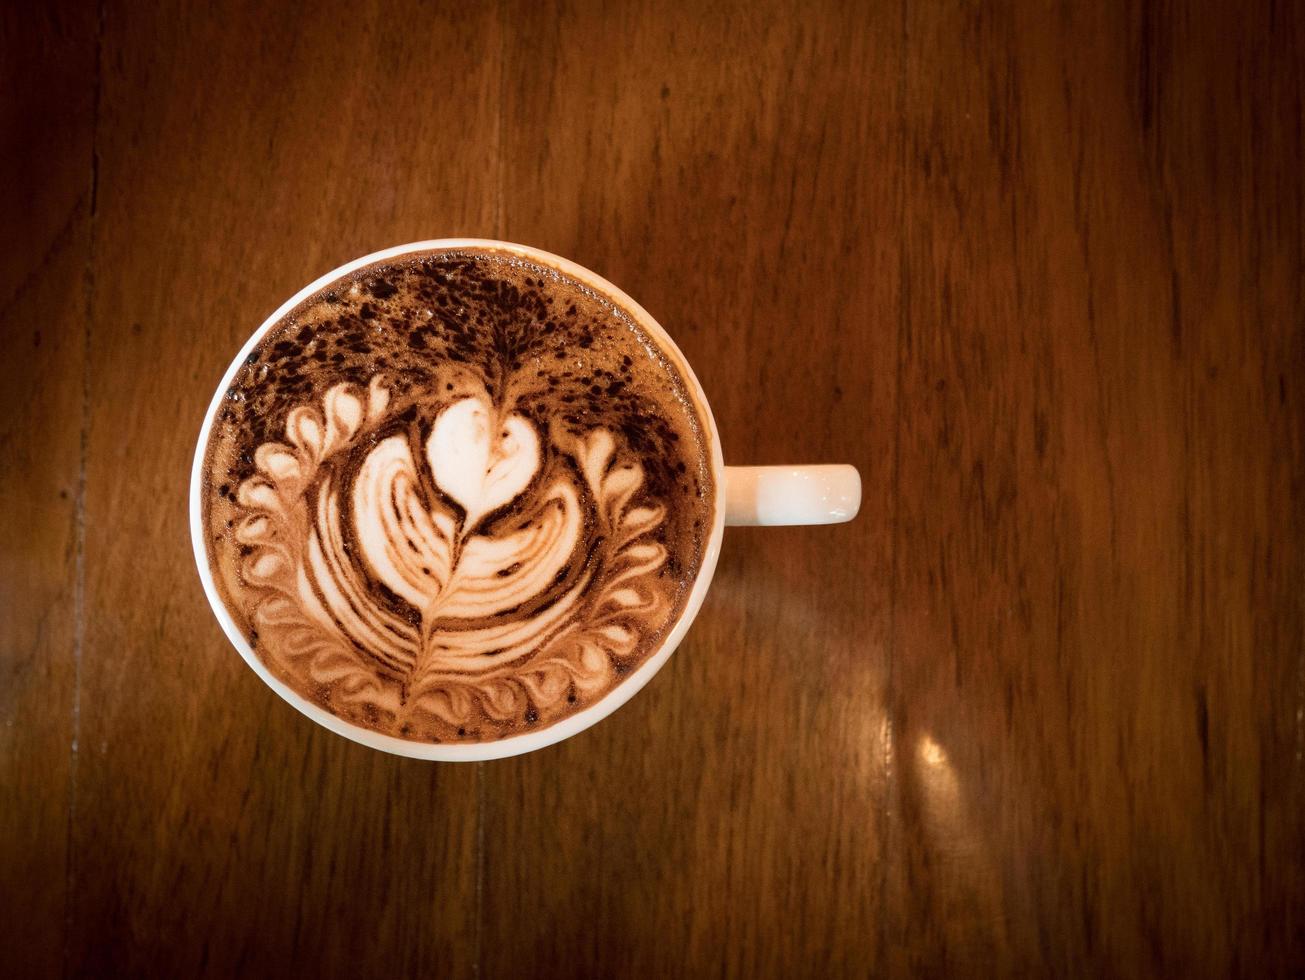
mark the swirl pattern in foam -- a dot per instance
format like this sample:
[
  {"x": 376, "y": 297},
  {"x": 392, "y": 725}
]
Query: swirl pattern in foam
[{"x": 457, "y": 498}]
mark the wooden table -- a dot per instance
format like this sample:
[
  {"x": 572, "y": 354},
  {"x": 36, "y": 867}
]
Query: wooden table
[{"x": 1036, "y": 270}]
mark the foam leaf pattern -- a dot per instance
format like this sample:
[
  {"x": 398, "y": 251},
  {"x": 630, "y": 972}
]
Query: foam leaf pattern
[{"x": 387, "y": 601}]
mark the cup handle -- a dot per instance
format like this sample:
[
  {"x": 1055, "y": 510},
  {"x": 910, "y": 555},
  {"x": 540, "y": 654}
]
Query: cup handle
[{"x": 775, "y": 495}]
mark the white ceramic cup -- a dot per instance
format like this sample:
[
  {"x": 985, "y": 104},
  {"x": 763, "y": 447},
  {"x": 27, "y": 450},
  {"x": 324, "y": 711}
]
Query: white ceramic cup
[{"x": 745, "y": 495}]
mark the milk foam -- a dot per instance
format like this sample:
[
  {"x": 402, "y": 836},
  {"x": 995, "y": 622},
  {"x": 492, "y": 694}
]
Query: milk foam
[
  {"x": 469, "y": 541},
  {"x": 480, "y": 461}
]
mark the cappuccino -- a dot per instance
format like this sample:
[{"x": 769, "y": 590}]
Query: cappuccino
[{"x": 457, "y": 496}]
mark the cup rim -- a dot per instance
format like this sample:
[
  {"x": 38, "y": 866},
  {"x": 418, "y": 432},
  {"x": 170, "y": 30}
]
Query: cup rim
[{"x": 515, "y": 744}]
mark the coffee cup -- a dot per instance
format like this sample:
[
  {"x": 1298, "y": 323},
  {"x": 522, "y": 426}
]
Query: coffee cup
[{"x": 740, "y": 495}]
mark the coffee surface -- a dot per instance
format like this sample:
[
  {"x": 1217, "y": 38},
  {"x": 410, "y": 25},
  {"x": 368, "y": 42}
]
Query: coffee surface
[{"x": 456, "y": 497}]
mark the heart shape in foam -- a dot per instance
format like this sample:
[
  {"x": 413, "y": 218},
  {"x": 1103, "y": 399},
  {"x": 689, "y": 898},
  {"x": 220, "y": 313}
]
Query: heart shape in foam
[{"x": 480, "y": 461}]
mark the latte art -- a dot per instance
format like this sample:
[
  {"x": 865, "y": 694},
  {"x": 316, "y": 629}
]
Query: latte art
[
  {"x": 471, "y": 598},
  {"x": 437, "y": 555}
]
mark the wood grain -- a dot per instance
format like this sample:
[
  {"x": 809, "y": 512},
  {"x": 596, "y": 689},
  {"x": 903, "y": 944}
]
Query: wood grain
[
  {"x": 1097, "y": 642},
  {"x": 1036, "y": 270},
  {"x": 46, "y": 121}
]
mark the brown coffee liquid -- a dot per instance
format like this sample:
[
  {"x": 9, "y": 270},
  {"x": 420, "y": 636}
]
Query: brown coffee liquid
[{"x": 457, "y": 497}]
